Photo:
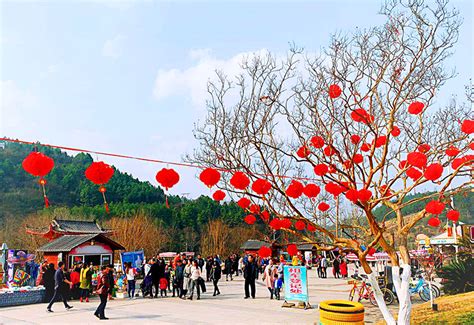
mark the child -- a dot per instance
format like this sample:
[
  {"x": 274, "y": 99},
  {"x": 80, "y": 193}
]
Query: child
[
  {"x": 163, "y": 286},
  {"x": 174, "y": 283},
  {"x": 278, "y": 286}
]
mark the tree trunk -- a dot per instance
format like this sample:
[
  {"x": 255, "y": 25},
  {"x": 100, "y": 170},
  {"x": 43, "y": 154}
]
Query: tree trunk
[
  {"x": 372, "y": 278},
  {"x": 404, "y": 311}
]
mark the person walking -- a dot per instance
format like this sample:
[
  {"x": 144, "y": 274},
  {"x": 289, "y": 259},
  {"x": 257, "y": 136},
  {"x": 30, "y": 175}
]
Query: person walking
[
  {"x": 195, "y": 275},
  {"x": 187, "y": 277},
  {"x": 60, "y": 287},
  {"x": 209, "y": 263},
  {"x": 269, "y": 277},
  {"x": 130, "y": 273},
  {"x": 228, "y": 269},
  {"x": 155, "y": 277},
  {"x": 324, "y": 265},
  {"x": 103, "y": 287},
  {"x": 335, "y": 268},
  {"x": 215, "y": 275},
  {"x": 85, "y": 280},
  {"x": 110, "y": 275},
  {"x": 48, "y": 282},
  {"x": 200, "y": 261},
  {"x": 318, "y": 266},
  {"x": 250, "y": 275},
  {"x": 235, "y": 264},
  {"x": 179, "y": 275},
  {"x": 343, "y": 267}
]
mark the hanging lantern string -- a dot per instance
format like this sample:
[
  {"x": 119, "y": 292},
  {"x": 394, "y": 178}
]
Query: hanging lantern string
[{"x": 151, "y": 160}]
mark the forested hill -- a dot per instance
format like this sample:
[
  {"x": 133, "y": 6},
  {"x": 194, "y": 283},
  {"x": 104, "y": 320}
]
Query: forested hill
[{"x": 20, "y": 193}]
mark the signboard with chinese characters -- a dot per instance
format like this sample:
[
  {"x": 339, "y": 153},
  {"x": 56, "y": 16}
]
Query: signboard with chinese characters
[{"x": 296, "y": 283}]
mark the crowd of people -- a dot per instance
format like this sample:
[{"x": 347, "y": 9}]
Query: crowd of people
[{"x": 183, "y": 276}]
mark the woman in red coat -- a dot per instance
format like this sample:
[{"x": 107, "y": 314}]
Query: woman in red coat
[
  {"x": 103, "y": 285},
  {"x": 343, "y": 268}
]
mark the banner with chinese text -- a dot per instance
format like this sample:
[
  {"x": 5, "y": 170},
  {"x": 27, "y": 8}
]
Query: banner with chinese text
[{"x": 296, "y": 283}]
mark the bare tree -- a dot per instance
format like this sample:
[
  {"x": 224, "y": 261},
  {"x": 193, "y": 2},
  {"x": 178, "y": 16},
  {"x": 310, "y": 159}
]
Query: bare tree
[{"x": 377, "y": 141}]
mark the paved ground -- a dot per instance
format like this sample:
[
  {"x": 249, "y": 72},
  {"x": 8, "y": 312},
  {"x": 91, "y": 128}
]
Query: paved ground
[{"x": 229, "y": 307}]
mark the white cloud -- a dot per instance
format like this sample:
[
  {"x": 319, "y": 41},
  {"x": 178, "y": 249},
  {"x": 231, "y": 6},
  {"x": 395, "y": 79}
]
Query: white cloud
[
  {"x": 192, "y": 81},
  {"x": 113, "y": 48}
]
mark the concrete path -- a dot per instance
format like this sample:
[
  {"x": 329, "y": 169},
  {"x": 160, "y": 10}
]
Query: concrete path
[{"x": 228, "y": 308}]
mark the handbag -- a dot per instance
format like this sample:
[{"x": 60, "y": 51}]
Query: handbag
[{"x": 202, "y": 284}]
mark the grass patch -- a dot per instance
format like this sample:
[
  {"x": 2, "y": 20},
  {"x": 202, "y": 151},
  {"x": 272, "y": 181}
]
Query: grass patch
[{"x": 454, "y": 309}]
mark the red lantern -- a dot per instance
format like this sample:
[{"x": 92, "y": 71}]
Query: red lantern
[
  {"x": 434, "y": 222},
  {"x": 433, "y": 172},
  {"x": 334, "y": 189},
  {"x": 360, "y": 115},
  {"x": 435, "y": 207},
  {"x": 424, "y": 148},
  {"x": 285, "y": 223},
  {"x": 167, "y": 178},
  {"x": 471, "y": 145},
  {"x": 261, "y": 186},
  {"x": 275, "y": 224},
  {"x": 380, "y": 141},
  {"x": 265, "y": 215},
  {"x": 371, "y": 251},
  {"x": 265, "y": 252},
  {"x": 254, "y": 208},
  {"x": 321, "y": 169},
  {"x": 323, "y": 207},
  {"x": 329, "y": 151},
  {"x": 355, "y": 139},
  {"x": 352, "y": 196},
  {"x": 295, "y": 189},
  {"x": 292, "y": 250},
  {"x": 364, "y": 195},
  {"x": 453, "y": 215},
  {"x": 452, "y": 151},
  {"x": 210, "y": 177},
  {"x": 403, "y": 164},
  {"x": 240, "y": 181},
  {"x": 413, "y": 173},
  {"x": 303, "y": 152},
  {"x": 250, "y": 219},
  {"x": 395, "y": 131},
  {"x": 300, "y": 225},
  {"x": 385, "y": 191},
  {"x": 467, "y": 126},
  {"x": 365, "y": 147},
  {"x": 39, "y": 165},
  {"x": 218, "y": 195},
  {"x": 416, "y": 108},
  {"x": 311, "y": 190},
  {"x": 100, "y": 173},
  {"x": 417, "y": 159},
  {"x": 311, "y": 227},
  {"x": 317, "y": 142},
  {"x": 244, "y": 203},
  {"x": 358, "y": 158},
  {"x": 334, "y": 91}
]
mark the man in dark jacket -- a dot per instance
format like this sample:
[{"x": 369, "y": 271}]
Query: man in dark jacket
[
  {"x": 209, "y": 262},
  {"x": 60, "y": 287},
  {"x": 48, "y": 281},
  {"x": 103, "y": 288},
  {"x": 179, "y": 275},
  {"x": 250, "y": 275},
  {"x": 155, "y": 277},
  {"x": 215, "y": 276},
  {"x": 228, "y": 269}
]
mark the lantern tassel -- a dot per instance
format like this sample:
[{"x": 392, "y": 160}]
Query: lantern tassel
[
  {"x": 167, "y": 204},
  {"x": 46, "y": 200},
  {"x": 106, "y": 205}
]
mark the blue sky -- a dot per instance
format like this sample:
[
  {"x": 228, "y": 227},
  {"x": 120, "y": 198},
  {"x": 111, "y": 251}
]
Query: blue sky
[{"x": 130, "y": 77}]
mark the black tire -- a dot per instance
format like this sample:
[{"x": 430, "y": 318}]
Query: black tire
[{"x": 388, "y": 296}]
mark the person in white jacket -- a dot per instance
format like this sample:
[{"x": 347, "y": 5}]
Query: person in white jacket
[{"x": 195, "y": 276}]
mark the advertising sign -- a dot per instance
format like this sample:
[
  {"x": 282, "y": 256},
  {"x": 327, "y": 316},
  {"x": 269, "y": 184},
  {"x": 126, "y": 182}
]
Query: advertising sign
[
  {"x": 296, "y": 283},
  {"x": 136, "y": 258}
]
